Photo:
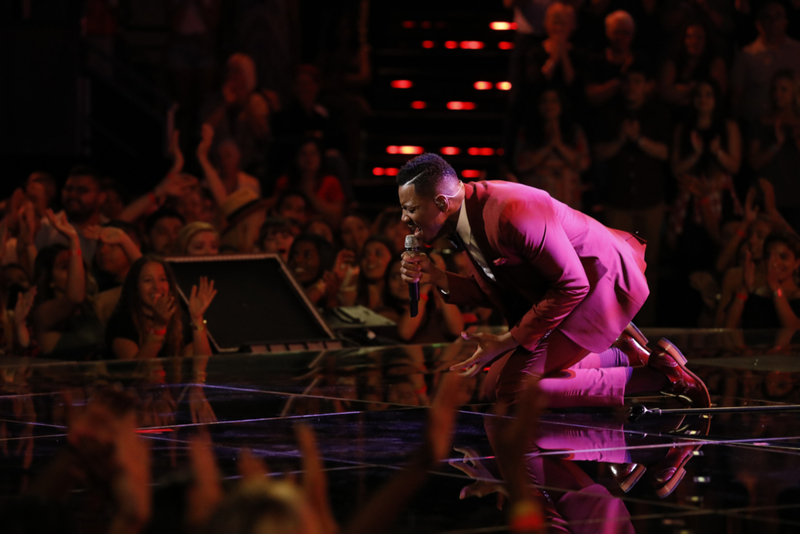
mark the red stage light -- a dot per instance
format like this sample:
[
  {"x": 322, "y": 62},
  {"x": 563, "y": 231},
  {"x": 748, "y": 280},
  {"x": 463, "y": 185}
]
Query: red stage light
[
  {"x": 450, "y": 44},
  {"x": 505, "y": 45},
  {"x": 500, "y": 151},
  {"x": 402, "y": 84},
  {"x": 406, "y": 149},
  {"x": 501, "y": 26},
  {"x": 428, "y": 44},
  {"x": 456, "y": 105},
  {"x": 480, "y": 151},
  {"x": 471, "y": 173},
  {"x": 482, "y": 86},
  {"x": 378, "y": 171},
  {"x": 450, "y": 150},
  {"x": 408, "y": 24},
  {"x": 392, "y": 149},
  {"x": 426, "y": 24},
  {"x": 503, "y": 86},
  {"x": 391, "y": 171},
  {"x": 419, "y": 104},
  {"x": 471, "y": 45}
]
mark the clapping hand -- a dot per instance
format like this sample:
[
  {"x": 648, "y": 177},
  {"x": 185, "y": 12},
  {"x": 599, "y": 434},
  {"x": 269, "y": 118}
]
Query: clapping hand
[
  {"x": 200, "y": 299},
  {"x": 163, "y": 309},
  {"x": 206, "y": 139},
  {"x": 60, "y": 223},
  {"x": 176, "y": 153}
]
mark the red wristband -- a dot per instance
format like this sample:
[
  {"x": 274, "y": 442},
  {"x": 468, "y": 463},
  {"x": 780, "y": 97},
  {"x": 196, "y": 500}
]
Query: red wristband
[
  {"x": 75, "y": 252},
  {"x": 162, "y": 332},
  {"x": 741, "y": 296},
  {"x": 778, "y": 293}
]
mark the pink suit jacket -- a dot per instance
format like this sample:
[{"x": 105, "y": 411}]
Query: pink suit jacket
[{"x": 554, "y": 267}]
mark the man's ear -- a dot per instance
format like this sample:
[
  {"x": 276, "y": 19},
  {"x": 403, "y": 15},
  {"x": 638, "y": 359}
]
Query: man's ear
[{"x": 441, "y": 202}]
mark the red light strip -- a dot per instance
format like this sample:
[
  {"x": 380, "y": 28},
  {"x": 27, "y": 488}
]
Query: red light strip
[
  {"x": 503, "y": 26},
  {"x": 402, "y": 84},
  {"x": 457, "y": 105}
]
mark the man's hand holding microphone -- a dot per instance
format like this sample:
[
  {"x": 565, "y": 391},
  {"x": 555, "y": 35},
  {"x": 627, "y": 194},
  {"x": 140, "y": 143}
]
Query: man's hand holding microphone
[{"x": 417, "y": 269}]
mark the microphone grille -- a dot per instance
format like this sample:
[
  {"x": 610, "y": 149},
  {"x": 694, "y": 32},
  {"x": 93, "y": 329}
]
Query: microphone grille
[{"x": 412, "y": 241}]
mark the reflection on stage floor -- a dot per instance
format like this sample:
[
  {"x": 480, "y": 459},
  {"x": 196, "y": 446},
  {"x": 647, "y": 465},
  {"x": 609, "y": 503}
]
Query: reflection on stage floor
[{"x": 685, "y": 472}]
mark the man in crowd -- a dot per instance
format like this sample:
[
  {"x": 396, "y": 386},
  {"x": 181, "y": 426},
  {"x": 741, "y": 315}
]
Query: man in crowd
[{"x": 82, "y": 198}]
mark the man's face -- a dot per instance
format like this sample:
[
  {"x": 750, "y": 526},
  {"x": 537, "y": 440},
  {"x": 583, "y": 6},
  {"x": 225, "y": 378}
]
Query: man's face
[
  {"x": 82, "y": 198},
  {"x": 620, "y": 33},
  {"x": 164, "y": 234},
  {"x": 772, "y": 24},
  {"x": 420, "y": 213}
]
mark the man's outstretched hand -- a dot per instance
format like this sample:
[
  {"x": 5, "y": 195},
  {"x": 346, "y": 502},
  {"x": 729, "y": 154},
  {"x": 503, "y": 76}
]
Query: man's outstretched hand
[{"x": 490, "y": 347}]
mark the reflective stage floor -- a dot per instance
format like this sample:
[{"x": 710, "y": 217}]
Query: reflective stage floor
[{"x": 737, "y": 472}]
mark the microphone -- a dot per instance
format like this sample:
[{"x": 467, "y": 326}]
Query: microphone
[{"x": 412, "y": 245}]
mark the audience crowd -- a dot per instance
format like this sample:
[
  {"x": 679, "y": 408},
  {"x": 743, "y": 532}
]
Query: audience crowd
[
  {"x": 678, "y": 120},
  {"x": 697, "y": 153}
]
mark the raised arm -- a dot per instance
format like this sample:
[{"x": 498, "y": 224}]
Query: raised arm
[
  {"x": 56, "y": 310},
  {"x": 171, "y": 185},
  {"x": 199, "y": 301},
  {"x": 212, "y": 176}
]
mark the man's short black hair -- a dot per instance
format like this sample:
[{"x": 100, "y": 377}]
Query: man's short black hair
[
  {"x": 161, "y": 213},
  {"x": 426, "y": 172}
]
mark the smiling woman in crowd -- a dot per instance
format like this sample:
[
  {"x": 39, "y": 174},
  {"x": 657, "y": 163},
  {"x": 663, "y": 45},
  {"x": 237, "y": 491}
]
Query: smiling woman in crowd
[{"x": 149, "y": 321}]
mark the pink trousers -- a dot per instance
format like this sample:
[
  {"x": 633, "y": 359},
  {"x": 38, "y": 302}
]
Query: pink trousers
[{"x": 570, "y": 375}]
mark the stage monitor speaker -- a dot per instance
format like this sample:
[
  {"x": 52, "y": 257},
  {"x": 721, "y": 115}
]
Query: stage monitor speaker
[{"x": 259, "y": 306}]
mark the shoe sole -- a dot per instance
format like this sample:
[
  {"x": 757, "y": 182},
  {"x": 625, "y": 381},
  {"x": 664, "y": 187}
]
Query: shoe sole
[
  {"x": 633, "y": 331},
  {"x": 678, "y": 356},
  {"x": 630, "y": 481},
  {"x": 667, "y": 489}
]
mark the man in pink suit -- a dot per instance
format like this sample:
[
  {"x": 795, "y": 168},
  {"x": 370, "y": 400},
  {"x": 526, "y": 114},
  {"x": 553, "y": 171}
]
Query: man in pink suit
[{"x": 567, "y": 286}]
